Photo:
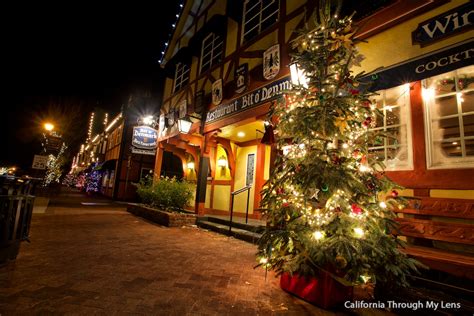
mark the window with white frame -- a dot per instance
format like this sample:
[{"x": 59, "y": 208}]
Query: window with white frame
[
  {"x": 258, "y": 16},
  {"x": 449, "y": 119},
  {"x": 181, "y": 77},
  {"x": 211, "y": 51},
  {"x": 392, "y": 143}
]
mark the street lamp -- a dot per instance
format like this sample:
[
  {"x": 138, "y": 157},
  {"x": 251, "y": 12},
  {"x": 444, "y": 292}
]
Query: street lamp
[
  {"x": 298, "y": 76},
  {"x": 184, "y": 125},
  {"x": 48, "y": 126}
]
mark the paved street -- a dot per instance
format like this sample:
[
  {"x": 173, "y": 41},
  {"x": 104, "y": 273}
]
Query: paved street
[{"x": 99, "y": 259}]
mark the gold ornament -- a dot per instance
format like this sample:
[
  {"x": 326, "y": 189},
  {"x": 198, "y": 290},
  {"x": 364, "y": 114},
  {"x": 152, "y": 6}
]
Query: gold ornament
[{"x": 341, "y": 262}]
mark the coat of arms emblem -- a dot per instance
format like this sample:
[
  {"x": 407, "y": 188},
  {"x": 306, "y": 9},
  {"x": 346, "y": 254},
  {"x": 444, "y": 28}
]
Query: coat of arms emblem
[
  {"x": 217, "y": 92},
  {"x": 271, "y": 62},
  {"x": 241, "y": 78}
]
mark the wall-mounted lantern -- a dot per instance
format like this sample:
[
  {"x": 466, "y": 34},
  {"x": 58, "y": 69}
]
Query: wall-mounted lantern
[
  {"x": 222, "y": 161},
  {"x": 190, "y": 165},
  {"x": 184, "y": 125},
  {"x": 298, "y": 76}
]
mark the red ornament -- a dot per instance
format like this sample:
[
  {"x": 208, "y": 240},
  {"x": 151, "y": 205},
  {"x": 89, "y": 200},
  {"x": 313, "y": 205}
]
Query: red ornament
[
  {"x": 286, "y": 204},
  {"x": 367, "y": 122},
  {"x": 297, "y": 168},
  {"x": 356, "y": 209},
  {"x": 280, "y": 191},
  {"x": 354, "y": 91},
  {"x": 394, "y": 193},
  {"x": 366, "y": 104}
]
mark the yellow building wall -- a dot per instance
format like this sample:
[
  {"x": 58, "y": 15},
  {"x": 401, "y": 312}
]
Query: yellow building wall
[
  {"x": 266, "y": 171},
  {"x": 221, "y": 197},
  {"x": 207, "y": 203},
  {"x": 168, "y": 88},
  {"x": 191, "y": 174},
  {"x": 240, "y": 201},
  {"x": 217, "y": 8},
  {"x": 453, "y": 194},
  {"x": 222, "y": 173},
  {"x": 192, "y": 202},
  {"x": 292, "y": 5},
  {"x": 232, "y": 34},
  {"x": 194, "y": 69},
  {"x": 291, "y": 26},
  {"x": 395, "y": 44}
]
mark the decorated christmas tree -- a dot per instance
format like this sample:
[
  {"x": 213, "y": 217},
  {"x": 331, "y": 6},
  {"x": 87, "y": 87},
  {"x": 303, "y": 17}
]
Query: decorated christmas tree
[{"x": 326, "y": 199}]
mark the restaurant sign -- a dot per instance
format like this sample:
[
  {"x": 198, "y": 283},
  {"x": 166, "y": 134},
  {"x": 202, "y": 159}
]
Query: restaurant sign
[
  {"x": 144, "y": 137},
  {"x": 249, "y": 100},
  {"x": 454, "y": 21}
]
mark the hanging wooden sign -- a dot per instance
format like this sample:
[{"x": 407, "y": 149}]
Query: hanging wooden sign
[
  {"x": 271, "y": 62},
  {"x": 217, "y": 92}
]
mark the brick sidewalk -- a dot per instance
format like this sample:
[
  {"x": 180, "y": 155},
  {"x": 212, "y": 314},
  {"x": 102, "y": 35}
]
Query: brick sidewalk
[{"x": 119, "y": 264}]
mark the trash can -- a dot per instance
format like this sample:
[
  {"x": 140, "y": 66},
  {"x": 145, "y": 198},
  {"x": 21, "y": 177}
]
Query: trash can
[{"x": 16, "y": 209}]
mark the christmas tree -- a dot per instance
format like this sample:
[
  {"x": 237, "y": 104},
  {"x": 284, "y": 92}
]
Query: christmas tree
[{"x": 323, "y": 200}]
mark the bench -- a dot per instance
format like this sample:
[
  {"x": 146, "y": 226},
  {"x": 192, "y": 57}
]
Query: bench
[{"x": 431, "y": 224}]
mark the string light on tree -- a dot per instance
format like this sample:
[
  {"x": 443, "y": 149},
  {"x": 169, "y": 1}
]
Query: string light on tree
[{"x": 323, "y": 137}]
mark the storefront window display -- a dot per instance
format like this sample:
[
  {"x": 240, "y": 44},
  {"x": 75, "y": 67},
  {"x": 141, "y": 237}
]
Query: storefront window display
[
  {"x": 393, "y": 146},
  {"x": 449, "y": 119}
]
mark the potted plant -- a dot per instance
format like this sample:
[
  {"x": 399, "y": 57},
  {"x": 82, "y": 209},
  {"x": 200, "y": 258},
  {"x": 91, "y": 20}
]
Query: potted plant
[{"x": 327, "y": 228}]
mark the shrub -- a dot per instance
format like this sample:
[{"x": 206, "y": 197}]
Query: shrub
[{"x": 166, "y": 193}]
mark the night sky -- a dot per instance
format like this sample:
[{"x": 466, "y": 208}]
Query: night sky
[{"x": 61, "y": 60}]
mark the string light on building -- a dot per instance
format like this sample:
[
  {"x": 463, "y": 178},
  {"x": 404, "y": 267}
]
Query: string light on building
[
  {"x": 173, "y": 26},
  {"x": 91, "y": 123},
  {"x": 106, "y": 119}
]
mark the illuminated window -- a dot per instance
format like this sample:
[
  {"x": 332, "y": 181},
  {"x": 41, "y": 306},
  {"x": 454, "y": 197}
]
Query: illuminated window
[
  {"x": 392, "y": 145},
  {"x": 258, "y": 16},
  {"x": 181, "y": 77},
  {"x": 211, "y": 51},
  {"x": 449, "y": 119}
]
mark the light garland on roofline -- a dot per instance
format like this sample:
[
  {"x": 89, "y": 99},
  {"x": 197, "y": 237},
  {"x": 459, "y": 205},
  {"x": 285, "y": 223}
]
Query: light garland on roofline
[{"x": 181, "y": 5}]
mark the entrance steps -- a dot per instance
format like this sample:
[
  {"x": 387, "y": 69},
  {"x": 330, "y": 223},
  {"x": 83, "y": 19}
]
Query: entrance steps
[{"x": 250, "y": 231}]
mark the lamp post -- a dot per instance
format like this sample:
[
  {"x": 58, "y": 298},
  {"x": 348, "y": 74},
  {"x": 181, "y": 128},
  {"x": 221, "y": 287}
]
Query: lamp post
[{"x": 48, "y": 126}]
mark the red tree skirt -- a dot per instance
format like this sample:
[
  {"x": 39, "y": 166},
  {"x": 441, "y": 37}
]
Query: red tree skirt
[{"x": 322, "y": 291}]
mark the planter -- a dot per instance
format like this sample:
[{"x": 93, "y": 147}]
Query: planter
[
  {"x": 169, "y": 219},
  {"x": 322, "y": 291}
]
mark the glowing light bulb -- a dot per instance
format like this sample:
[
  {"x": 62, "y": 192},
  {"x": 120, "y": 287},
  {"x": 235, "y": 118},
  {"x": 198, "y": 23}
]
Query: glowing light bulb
[
  {"x": 359, "y": 232},
  {"x": 365, "y": 278},
  {"x": 318, "y": 235},
  {"x": 383, "y": 205}
]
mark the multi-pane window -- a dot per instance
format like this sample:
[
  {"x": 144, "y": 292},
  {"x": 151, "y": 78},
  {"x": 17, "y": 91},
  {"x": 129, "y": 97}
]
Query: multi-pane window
[
  {"x": 392, "y": 143},
  {"x": 211, "y": 51},
  {"x": 449, "y": 119},
  {"x": 258, "y": 16},
  {"x": 181, "y": 76}
]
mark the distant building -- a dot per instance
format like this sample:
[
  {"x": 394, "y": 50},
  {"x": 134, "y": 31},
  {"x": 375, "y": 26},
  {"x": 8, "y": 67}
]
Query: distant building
[{"x": 109, "y": 151}]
